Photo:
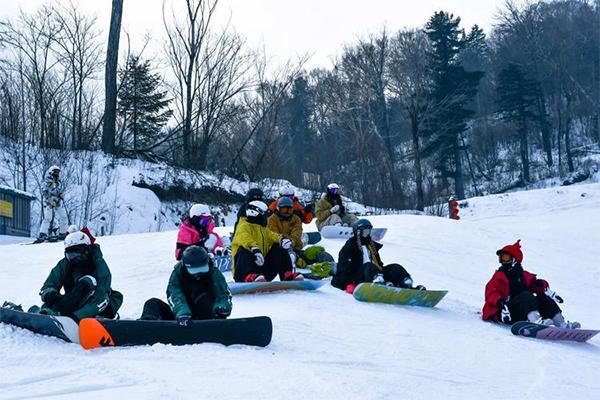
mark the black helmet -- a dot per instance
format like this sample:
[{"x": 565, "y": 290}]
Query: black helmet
[
  {"x": 195, "y": 259},
  {"x": 255, "y": 194},
  {"x": 361, "y": 225}
]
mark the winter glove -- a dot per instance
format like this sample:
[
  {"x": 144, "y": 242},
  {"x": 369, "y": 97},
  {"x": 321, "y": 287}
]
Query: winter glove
[
  {"x": 553, "y": 295},
  {"x": 259, "y": 259},
  {"x": 335, "y": 209},
  {"x": 52, "y": 297},
  {"x": 350, "y": 288},
  {"x": 285, "y": 243},
  {"x": 184, "y": 320},
  {"x": 222, "y": 308}
]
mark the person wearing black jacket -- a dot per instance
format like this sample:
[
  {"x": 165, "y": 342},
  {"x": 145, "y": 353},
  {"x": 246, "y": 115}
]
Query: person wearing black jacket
[{"x": 359, "y": 261}]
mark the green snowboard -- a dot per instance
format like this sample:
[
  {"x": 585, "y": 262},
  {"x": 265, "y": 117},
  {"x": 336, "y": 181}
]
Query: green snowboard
[{"x": 375, "y": 293}]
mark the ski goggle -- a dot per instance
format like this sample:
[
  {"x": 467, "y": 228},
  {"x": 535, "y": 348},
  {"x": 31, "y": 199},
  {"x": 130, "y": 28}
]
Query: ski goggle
[
  {"x": 76, "y": 256},
  {"x": 334, "y": 190},
  {"x": 205, "y": 220},
  {"x": 366, "y": 232},
  {"x": 505, "y": 258}
]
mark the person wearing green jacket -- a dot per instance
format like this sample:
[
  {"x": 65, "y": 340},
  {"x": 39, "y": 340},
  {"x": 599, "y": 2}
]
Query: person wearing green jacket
[
  {"x": 197, "y": 290},
  {"x": 86, "y": 280}
]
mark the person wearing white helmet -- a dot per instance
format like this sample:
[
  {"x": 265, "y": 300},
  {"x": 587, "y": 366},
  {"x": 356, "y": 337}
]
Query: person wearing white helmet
[
  {"x": 86, "y": 280},
  {"x": 197, "y": 229},
  {"x": 259, "y": 254},
  {"x": 330, "y": 209},
  {"x": 53, "y": 198}
]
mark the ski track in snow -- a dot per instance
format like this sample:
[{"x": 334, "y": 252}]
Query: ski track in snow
[{"x": 325, "y": 344}]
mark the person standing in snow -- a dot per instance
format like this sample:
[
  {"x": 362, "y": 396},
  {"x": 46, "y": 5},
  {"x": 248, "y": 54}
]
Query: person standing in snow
[
  {"x": 196, "y": 291},
  {"x": 259, "y": 254},
  {"x": 285, "y": 222},
  {"x": 197, "y": 229},
  {"x": 86, "y": 280},
  {"x": 304, "y": 213},
  {"x": 359, "y": 262},
  {"x": 330, "y": 209},
  {"x": 514, "y": 294},
  {"x": 53, "y": 198}
]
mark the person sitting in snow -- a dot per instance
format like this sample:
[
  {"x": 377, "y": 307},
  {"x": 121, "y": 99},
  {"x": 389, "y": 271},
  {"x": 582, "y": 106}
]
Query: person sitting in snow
[
  {"x": 304, "y": 213},
  {"x": 53, "y": 195},
  {"x": 359, "y": 262},
  {"x": 285, "y": 222},
  {"x": 86, "y": 280},
  {"x": 259, "y": 254},
  {"x": 330, "y": 209},
  {"x": 197, "y": 229},
  {"x": 514, "y": 294},
  {"x": 254, "y": 194},
  {"x": 197, "y": 290}
]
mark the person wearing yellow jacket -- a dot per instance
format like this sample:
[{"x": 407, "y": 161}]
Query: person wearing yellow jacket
[
  {"x": 330, "y": 209},
  {"x": 259, "y": 254}
]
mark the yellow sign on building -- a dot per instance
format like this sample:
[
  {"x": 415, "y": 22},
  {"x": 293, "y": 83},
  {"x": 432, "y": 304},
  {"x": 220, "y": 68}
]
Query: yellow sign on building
[{"x": 6, "y": 209}]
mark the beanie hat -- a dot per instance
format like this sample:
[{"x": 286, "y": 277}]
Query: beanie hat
[{"x": 514, "y": 250}]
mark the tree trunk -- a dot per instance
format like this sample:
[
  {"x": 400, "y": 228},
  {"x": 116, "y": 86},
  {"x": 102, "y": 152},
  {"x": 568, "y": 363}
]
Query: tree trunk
[
  {"x": 414, "y": 127},
  {"x": 524, "y": 148},
  {"x": 459, "y": 180},
  {"x": 110, "y": 78},
  {"x": 545, "y": 128},
  {"x": 568, "y": 134}
]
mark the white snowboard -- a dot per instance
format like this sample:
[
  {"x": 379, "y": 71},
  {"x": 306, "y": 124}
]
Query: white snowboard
[{"x": 334, "y": 232}]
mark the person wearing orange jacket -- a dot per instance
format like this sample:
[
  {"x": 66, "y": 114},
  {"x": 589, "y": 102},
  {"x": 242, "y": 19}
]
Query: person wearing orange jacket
[
  {"x": 514, "y": 294},
  {"x": 304, "y": 213}
]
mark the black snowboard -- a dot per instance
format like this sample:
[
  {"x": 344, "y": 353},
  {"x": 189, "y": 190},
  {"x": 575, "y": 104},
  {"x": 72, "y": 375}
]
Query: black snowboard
[
  {"x": 61, "y": 327},
  {"x": 255, "y": 331}
]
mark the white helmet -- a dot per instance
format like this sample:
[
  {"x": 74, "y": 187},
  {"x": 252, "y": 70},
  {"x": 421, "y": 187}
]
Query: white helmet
[
  {"x": 256, "y": 208},
  {"x": 333, "y": 188},
  {"x": 52, "y": 169},
  {"x": 72, "y": 228},
  {"x": 76, "y": 239},
  {"x": 287, "y": 191},
  {"x": 198, "y": 210}
]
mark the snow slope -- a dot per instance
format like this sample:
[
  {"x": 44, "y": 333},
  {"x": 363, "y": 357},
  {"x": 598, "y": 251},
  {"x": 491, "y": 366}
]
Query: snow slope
[{"x": 325, "y": 344}]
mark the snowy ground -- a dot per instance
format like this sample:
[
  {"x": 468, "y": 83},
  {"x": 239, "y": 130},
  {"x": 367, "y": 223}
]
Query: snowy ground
[{"x": 325, "y": 344}]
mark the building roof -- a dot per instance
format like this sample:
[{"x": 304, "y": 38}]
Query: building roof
[{"x": 16, "y": 192}]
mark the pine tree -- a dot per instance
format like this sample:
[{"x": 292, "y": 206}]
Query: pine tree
[
  {"x": 299, "y": 106},
  {"x": 452, "y": 92},
  {"x": 517, "y": 96},
  {"x": 142, "y": 106}
]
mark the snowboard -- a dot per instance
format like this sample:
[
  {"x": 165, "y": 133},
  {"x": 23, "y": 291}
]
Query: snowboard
[
  {"x": 335, "y": 232},
  {"x": 254, "y": 331},
  {"x": 538, "y": 331},
  {"x": 49, "y": 239},
  {"x": 273, "y": 286},
  {"x": 311, "y": 238},
  {"x": 61, "y": 327},
  {"x": 223, "y": 263},
  {"x": 376, "y": 293}
]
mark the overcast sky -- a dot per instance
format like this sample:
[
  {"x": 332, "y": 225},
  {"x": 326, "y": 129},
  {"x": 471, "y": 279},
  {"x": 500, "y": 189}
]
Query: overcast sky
[{"x": 286, "y": 28}]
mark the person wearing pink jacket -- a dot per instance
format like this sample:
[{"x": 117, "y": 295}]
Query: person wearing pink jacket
[{"x": 197, "y": 229}]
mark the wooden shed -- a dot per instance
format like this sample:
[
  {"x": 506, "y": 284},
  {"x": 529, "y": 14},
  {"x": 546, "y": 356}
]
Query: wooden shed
[{"x": 15, "y": 212}]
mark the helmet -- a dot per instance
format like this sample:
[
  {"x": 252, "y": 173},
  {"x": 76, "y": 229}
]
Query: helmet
[
  {"x": 256, "y": 208},
  {"x": 287, "y": 191},
  {"x": 363, "y": 227},
  {"x": 283, "y": 203},
  {"x": 72, "y": 228},
  {"x": 53, "y": 170},
  {"x": 76, "y": 239},
  {"x": 199, "y": 210},
  {"x": 333, "y": 188},
  {"x": 254, "y": 194},
  {"x": 514, "y": 250},
  {"x": 195, "y": 260}
]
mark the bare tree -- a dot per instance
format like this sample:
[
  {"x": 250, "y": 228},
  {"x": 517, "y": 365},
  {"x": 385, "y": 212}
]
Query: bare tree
[{"x": 110, "y": 78}]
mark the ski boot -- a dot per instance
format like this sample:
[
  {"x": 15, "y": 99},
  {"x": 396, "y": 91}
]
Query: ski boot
[
  {"x": 255, "y": 278},
  {"x": 292, "y": 276}
]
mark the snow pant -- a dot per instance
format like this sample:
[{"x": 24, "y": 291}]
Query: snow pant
[
  {"x": 525, "y": 302},
  {"x": 156, "y": 309},
  {"x": 333, "y": 219},
  {"x": 394, "y": 273},
  {"x": 277, "y": 262},
  {"x": 59, "y": 213}
]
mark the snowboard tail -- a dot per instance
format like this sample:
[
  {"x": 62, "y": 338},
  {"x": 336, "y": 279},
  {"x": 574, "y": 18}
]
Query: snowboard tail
[
  {"x": 94, "y": 333},
  {"x": 376, "y": 293},
  {"x": 274, "y": 286},
  {"x": 336, "y": 232},
  {"x": 60, "y": 327},
  {"x": 311, "y": 238},
  {"x": 545, "y": 332}
]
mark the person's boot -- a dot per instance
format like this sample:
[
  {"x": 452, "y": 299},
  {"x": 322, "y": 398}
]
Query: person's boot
[
  {"x": 292, "y": 276},
  {"x": 536, "y": 318},
  {"x": 12, "y": 306},
  {"x": 255, "y": 278},
  {"x": 559, "y": 320},
  {"x": 378, "y": 279}
]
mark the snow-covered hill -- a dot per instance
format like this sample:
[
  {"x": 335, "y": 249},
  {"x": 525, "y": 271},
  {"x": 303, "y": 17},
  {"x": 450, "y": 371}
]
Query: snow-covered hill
[{"x": 325, "y": 344}]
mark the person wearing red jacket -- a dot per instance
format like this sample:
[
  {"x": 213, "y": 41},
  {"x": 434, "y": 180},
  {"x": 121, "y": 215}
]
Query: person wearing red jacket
[
  {"x": 514, "y": 294},
  {"x": 304, "y": 213}
]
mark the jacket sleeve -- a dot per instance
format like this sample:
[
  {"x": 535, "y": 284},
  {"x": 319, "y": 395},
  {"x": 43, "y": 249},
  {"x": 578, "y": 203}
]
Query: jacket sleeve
[
  {"x": 272, "y": 224},
  {"x": 296, "y": 234},
  {"x": 345, "y": 268},
  {"x": 272, "y": 237},
  {"x": 55, "y": 279},
  {"x": 534, "y": 284},
  {"x": 323, "y": 210},
  {"x": 243, "y": 236},
  {"x": 100, "y": 299},
  {"x": 492, "y": 292},
  {"x": 219, "y": 286},
  {"x": 175, "y": 295}
]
